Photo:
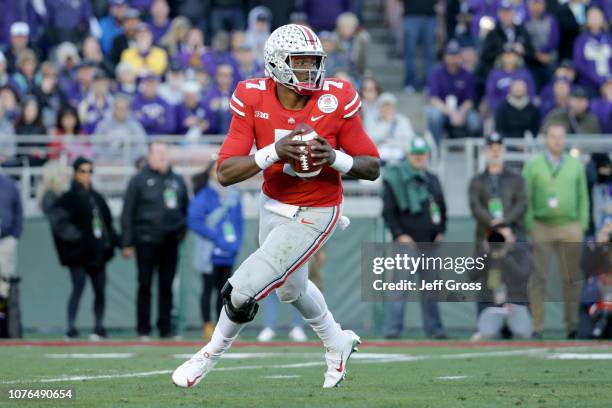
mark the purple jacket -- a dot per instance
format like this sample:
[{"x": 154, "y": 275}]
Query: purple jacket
[
  {"x": 498, "y": 85},
  {"x": 547, "y": 97},
  {"x": 142, "y": 5},
  {"x": 155, "y": 115},
  {"x": 322, "y": 14},
  {"x": 479, "y": 9},
  {"x": 210, "y": 60},
  {"x": 217, "y": 103},
  {"x": 76, "y": 94},
  {"x": 602, "y": 108},
  {"x": 91, "y": 114},
  {"x": 590, "y": 59},
  {"x": 9, "y": 81},
  {"x": 441, "y": 84},
  {"x": 257, "y": 71},
  {"x": 68, "y": 14},
  {"x": 201, "y": 111},
  {"x": 213, "y": 58},
  {"x": 544, "y": 33},
  {"x": 158, "y": 32},
  {"x": 20, "y": 10},
  {"x": 66, "y": 80}
]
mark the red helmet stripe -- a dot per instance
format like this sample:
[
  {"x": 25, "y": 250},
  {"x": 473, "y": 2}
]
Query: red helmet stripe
[{"x": 311, "y": 38}]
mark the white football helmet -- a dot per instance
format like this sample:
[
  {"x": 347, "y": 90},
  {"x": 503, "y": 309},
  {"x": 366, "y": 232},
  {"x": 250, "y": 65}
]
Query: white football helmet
[{"x": 295, "y": 40}]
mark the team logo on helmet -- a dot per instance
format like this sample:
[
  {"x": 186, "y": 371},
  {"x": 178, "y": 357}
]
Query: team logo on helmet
[
  {"x": 294, "y": 40},
  {"x": 327, "y": 103}
]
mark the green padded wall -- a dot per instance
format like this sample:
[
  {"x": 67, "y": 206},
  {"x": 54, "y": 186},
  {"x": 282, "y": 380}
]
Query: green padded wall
[{"x": 45, "y": 284}]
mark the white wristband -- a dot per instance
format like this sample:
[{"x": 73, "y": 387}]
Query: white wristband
[
  {"x": 343, "y": 162},
  {"x": 266, "y": 156}
]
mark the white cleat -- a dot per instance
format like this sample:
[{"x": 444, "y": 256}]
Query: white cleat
[
  {"x": 297, "y": 334},
  {"x": 337, "y": 358},
  {"x": 266, "y": 334},
  {"x": 192, "y": 371}
]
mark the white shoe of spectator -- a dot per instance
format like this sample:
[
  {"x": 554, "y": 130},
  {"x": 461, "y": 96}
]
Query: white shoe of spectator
[
  {"x": 297, "y": 334},
  {"x": 266, "y": 334},
  {"x": 144, "y": 338},
  {"x": 409, "y": 90}
]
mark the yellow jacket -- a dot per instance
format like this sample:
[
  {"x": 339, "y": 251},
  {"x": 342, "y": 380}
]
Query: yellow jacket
[{"x": 155, "y": 61}]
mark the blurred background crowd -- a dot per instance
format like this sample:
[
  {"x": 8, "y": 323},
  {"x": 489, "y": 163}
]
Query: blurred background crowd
[{"x": 159, "y": 67}]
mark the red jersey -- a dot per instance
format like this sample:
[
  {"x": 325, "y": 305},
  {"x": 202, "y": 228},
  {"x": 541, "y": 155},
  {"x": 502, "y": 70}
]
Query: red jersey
[{"x": 259, "y": 117}]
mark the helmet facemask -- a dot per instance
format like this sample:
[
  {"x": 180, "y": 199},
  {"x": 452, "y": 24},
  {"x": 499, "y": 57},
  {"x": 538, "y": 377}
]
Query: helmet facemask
[{"x": 302, "y": 81}]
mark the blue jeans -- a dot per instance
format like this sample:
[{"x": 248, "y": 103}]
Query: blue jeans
[
  {"x": 393, "y": 324},
  {"x": 419, "y": 30},
  {"x": 437, "y": 123},
  {"x": 270, "y": 309}
]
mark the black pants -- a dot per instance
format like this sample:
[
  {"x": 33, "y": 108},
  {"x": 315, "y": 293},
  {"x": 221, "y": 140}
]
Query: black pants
[
  {"x": 213, "y": 281},
  {"x": 78, "y": 276},
  {"x": 162, "y": 257}
]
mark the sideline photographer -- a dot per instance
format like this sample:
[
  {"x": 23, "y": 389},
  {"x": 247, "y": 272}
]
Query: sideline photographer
[{"x": 503, "y": 306}]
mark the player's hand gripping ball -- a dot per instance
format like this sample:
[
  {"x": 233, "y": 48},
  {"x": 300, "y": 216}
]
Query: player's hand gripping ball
[{"x": 306, "y": 166}]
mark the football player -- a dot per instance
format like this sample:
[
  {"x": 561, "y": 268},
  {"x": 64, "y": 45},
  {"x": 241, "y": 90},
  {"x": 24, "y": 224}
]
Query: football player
[{"x": 297, "y": 216}]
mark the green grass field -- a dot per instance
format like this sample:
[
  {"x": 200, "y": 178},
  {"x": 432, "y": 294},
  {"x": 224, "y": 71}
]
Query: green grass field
[{"x": 436, "y": 377}]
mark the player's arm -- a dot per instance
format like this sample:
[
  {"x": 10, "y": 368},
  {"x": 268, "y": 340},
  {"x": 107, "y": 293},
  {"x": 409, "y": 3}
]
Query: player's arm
[
  {"x": 362, "y": 167},
  {"x": 365, "y": 167},
  {"x": 238, "y": 166},
  {"x": 358, "y": 156},
  {"x": 235, "y": 163}
]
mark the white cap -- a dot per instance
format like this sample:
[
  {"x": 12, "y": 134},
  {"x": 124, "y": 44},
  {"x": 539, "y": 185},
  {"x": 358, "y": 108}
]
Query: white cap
[
  {"x": 20, "y": 28},
  {"x": 387, "y": 97},
  {"x": 191, "y": 87},
  {"x": 67, "y": 50}
]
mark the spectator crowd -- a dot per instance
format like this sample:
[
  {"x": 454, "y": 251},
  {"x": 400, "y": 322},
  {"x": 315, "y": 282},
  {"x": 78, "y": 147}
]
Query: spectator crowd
[
  {"x": 124, "y": 70},
  {"x": 518, "y": 64}
]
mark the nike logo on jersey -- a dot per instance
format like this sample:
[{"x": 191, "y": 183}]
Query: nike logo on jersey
[
  {"x": 315, "y": 118},
  {"x": 303, "y": 221}
]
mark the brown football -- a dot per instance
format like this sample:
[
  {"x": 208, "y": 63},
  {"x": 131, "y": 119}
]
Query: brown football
[{"x": 304, "y": 167}]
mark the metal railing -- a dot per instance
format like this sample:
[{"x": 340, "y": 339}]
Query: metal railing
[
  {"x": 456, "y": 160},
  {"x": 517, "y": 150},
  {"x": 116, "y": 165}
]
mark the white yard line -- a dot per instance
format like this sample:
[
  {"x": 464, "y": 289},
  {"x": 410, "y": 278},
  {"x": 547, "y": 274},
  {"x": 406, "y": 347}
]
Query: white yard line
[
  {"x": 580, "y": 356},
  {"x": 362, "y": 358},
  {"x": 241, "y": 356},
  {"x": 452, "y": 377},
  {"x": 89, "y": 355},
  {"x": 158, "y": 372},
  {"x": 282, "y": 376}
]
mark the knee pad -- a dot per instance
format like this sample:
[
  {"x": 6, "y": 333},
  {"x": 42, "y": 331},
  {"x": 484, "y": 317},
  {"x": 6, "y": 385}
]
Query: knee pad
[{"x": 242, "y": 314}]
